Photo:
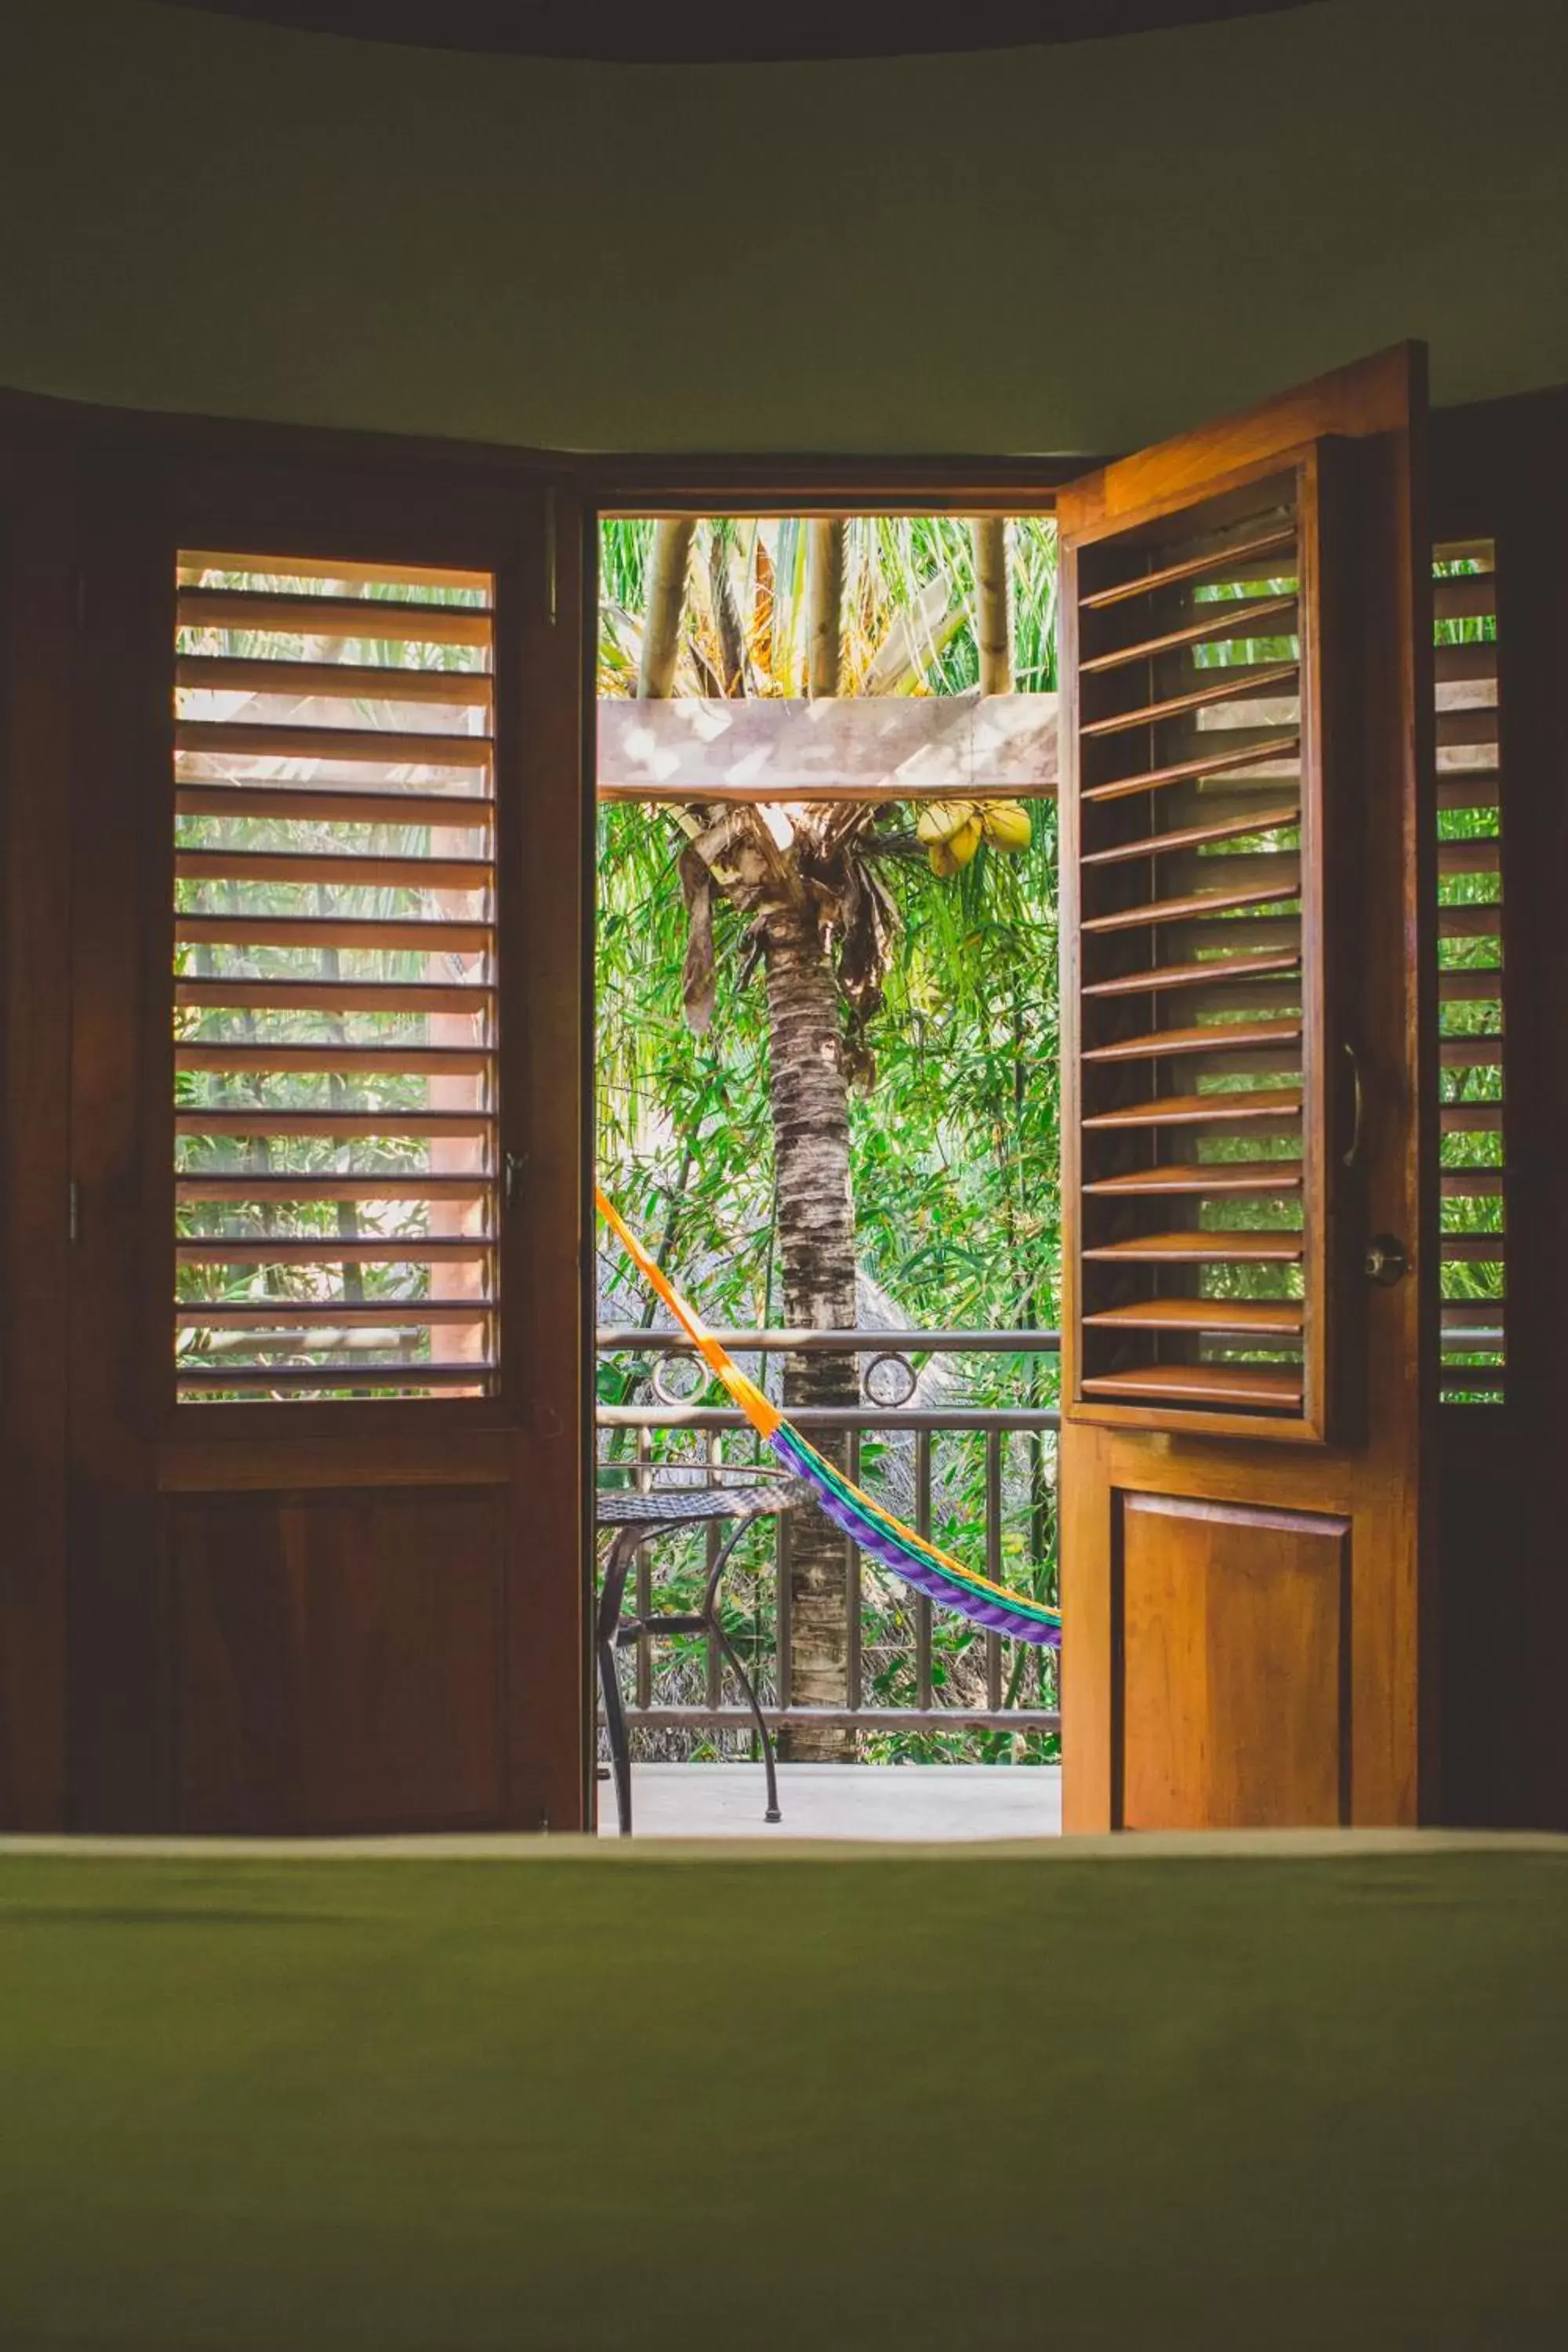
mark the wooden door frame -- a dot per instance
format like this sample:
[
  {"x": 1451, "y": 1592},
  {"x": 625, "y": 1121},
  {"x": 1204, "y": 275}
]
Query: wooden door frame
[
  {"x": 1500, "y": 471},
  {"x": 45, "y": 444},
  {"x": 38, "y": 654},
  {"x": 806, "y": 486}
]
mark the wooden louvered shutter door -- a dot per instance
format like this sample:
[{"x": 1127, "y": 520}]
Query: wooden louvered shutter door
[
  {"x": 1244, "y": 636},
  {"x": 330, "y": 1445}
]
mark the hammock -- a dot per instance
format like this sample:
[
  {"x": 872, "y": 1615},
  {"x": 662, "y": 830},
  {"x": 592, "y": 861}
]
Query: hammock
[{"x": 934, "y": 1572}]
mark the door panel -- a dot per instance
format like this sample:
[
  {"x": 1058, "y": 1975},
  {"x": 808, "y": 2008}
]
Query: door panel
[
  {"x": 340, "y": 1659},
  {"x": 1235, "y": 1629},
  {"x": 1246, "y": 907},
  {"x": 331, "y": 1145}
]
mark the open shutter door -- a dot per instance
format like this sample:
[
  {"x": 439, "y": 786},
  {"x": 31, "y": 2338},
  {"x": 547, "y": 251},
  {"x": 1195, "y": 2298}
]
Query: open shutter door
[{"x": 1247, "y": 633}]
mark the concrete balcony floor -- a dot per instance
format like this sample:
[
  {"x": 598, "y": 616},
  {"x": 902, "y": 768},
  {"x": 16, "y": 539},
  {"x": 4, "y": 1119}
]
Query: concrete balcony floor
[{"x": 925, "y": 1803}]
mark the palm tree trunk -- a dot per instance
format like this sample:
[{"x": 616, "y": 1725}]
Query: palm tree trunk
[
  {"x": 816, "y": 1246},
  {"x": 810, "y": 1136}
]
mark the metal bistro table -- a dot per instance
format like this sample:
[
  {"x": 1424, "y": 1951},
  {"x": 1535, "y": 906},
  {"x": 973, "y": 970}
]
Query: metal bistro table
[{"x": 637, "y": 1516}]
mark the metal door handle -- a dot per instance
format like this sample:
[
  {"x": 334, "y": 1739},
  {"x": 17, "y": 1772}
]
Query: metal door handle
[
  {"x": 1358, "y": 1105},
  {"x": 1386, "y": 1262}
]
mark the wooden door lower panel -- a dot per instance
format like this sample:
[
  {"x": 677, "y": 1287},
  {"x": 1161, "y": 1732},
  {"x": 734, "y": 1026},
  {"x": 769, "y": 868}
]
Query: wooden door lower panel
[
  {"x": 1237, "y": 1658},
  {"x": 340, "y": 1659},
  {"x": 1231, "y": 1658}
]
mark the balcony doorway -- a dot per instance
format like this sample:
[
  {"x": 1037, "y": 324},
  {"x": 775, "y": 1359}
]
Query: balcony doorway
[{"x": 827, "y": 1076}]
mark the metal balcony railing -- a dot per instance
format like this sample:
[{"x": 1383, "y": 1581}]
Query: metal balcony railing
[{"x": 980, "y": 1477}]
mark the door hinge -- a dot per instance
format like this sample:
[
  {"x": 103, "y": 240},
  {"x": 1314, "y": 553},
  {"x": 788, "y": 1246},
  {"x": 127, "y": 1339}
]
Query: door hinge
[
  {"x": 552, "y": 592},
  {"x": 73, "y": 1206}
]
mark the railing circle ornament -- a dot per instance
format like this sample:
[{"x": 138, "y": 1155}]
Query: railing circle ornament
[
  {"x": 889, "y": 1380},
  {"x": 677, "y": 1379}
]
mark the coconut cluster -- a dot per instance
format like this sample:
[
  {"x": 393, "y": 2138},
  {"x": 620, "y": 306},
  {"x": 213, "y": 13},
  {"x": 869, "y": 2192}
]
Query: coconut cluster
[{"x": 954, "y": 830}]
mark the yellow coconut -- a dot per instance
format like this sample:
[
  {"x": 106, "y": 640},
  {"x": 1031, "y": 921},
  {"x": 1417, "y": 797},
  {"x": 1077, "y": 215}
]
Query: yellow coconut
[
  {"x": 966, "y": 841},
  {"x": 1007, "y": 825},
  {"x": 939, "y": 820}
]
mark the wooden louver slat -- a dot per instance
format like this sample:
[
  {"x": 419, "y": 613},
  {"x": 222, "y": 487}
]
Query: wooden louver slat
[
  {"x": 1229, "y": 560},
  {"x": 1202, "y": 1110},
  {"x": 431, "y": 937},
  {"x": 298, "y": 803},
  {"x": 1210, "y": 1180},
  {"x": 243, "y": 993},
  {"x": 281, "y": 1190},
  {"x": 1220, "y": 1387},
  {"x": 1238, "y": 618},
  {"x": 1228, "y": 1037},
  {"x": 1196, "y": 653},
  {"x": 331, "y": 1250},
  {"x": 333, "y": 1314},
  {"x": 285, "y": 740},
  {"x": 1462, "y": 596},
  {"x": 335, "y": 1123},
  {"x": 407, "y": 1061},
  {"x": 339, "y": 1125},
  {"x": 1199, "y": 902},
  {"x": 342, "y": 870},
  {"x": 1218, "y": 762},
  {"x": 1195, "y": 837},
  {"x": 1257, "y": 1316},
  {"x": 203, "y": 1377},
  {"x": 360, "y": 681},
  {"x": 360, "y": 619},
  {"x": 1193, "y": 699},
  {"x": 1160, "y": 977},
  {"x": 196, "y": 563},
  {"x": 1218, "y": 1248}
]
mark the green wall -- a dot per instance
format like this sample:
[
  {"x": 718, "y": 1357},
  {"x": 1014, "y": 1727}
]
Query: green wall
[{"x": 1072, "y": 248}]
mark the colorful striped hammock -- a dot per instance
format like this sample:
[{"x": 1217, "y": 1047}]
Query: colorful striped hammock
[{"x": 919, "y": 1562}]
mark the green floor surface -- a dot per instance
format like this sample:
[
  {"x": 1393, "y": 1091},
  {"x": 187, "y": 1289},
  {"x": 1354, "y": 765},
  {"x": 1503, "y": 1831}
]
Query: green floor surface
[{"x": 821, "y": 2100}]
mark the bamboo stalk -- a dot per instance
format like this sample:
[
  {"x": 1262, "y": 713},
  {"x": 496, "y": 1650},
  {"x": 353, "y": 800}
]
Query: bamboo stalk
[
  {"x": 666, "y": 605},
  {"x": 824, "y": 659},
  {"x": 994, "y": 615}
]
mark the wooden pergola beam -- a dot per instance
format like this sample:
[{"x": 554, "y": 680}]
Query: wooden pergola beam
[{"x": 877, "y": 748}]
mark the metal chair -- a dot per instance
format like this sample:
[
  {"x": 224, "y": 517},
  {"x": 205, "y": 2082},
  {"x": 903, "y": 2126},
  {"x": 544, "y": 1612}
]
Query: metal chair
[{"x": 636, "y": 1515}]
